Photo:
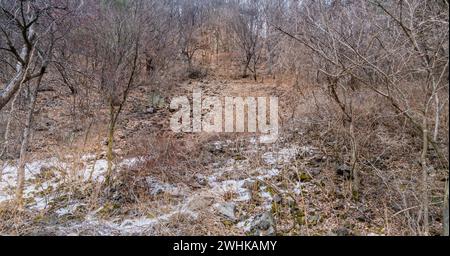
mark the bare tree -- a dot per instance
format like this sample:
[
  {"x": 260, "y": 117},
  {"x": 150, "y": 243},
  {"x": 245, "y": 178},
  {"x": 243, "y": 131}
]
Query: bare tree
[
  {"x": 42, "y": 47},
  {"x": 381, "y": 46},
  {"x": 118, "y": 36},
  {"x": 446, "y": 211},
  {"x": 247, "y": 24},
  {"x": 19, "y": 36},
  {"x": 190, "y": 18}
]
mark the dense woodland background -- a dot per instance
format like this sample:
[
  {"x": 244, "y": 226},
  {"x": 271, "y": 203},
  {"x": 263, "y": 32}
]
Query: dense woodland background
[{"x": 363, "y": 88}]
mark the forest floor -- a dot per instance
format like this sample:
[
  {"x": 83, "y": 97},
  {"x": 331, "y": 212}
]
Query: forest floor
[{"x": 183, "y": 184}]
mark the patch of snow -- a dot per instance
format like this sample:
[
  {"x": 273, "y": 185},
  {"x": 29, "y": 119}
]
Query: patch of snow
[
  {"x": 141, "y": 226},
  {"x": 307, "y": 150},
  {"x": 267, "y": 173},
  {"x": 70, "y": 209},
  {"x": 157, "y": 188},
  {"x": 130, "y": 162},
  {"x": 9, "y": 178},
  {"x": 283, "y": 156},
  {"x": 246, "y": 225},
  {"x": 89, "y": 158},
  {"x": 234, "y": 186},
  {"x": 94, "y": 170}
]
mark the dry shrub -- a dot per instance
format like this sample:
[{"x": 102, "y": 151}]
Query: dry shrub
[
  {"x": 196, "y": 73},
  {"x": 13, "y": 221},
  {"x": 388, "y": 151},
  {"x": 166, "y": 158}
]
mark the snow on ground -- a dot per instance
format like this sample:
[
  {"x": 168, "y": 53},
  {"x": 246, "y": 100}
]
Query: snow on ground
[
  {"x": 275, "y": 161},
  {"x": 158, "y": 187},
  {"x": 93, "y": 170},
  {"x": 32, "y": 171},
  {"x": 283, "y": 156},
  {"x": 219, "y": 182}
]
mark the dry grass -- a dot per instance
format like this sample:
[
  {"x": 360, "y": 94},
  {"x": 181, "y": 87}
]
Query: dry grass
[{"x": 387, "y": 159}]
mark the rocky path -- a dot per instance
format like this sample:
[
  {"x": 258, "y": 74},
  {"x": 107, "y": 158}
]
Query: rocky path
[{"x": 244, "y": 187}]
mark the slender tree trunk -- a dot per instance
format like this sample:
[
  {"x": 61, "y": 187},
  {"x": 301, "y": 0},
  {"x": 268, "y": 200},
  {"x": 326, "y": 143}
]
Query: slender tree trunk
[
  {"x": 22, "y": 73},
  {"x": 247, "y": 64},
  {"x": 24, "y": 146},
  {"x": 4, "y": 152},
  {"x": 355, "y": 173},
  {"x": 423, "y": 160},
  {"x": 270, "y": 58},
  {"x": 446, "y": 212},
  {"x": 436, "y": 117},
  {"x": 255, "y": 74},
  {"x": 109, "y": 154},
  {"x": 21, "y": 70},
  {"x": 217, "y": 45},
  {"x": 11, "y": 88}
]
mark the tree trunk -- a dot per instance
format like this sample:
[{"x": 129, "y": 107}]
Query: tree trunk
[
  {"x": 446, "y": 213},
  {"x": 423, "y": 160},
  {"x": 247, "y": 65},
  {"x": 21, "y": 71},
  {"x": 436, "y": 117},
  {"x": 24, "y": 146},
  {"x": 109, "y": 153},
  {"x": 11, "y": 88},
  {"x": 4, "y": 152},
  {"x": 355, "y": 173},
  {"x": 255, "y": 74}
]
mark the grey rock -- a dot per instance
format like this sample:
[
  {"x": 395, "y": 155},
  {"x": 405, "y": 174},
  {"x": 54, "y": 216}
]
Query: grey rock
[
  {"x": 345, "y": 171},
  {"x": 157, "y": 100},
  {"x": 201, "y": 180},
  {"x": 227, "y": 210},
  {"x": 215, "y": 148},
  {"x": 150, "y": 110},
  {"x": 263, "y": 225}
]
